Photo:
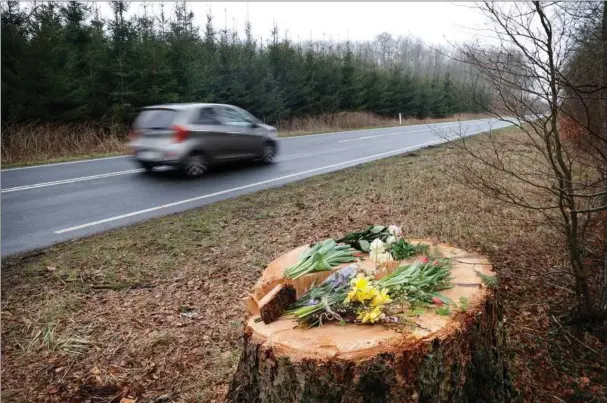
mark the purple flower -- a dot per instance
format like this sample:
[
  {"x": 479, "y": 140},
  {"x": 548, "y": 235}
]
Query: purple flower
[
  {"x": 341, "y": 277},
  {"x": 312, "y": 301}
]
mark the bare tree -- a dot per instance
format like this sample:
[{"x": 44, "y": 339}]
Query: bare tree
[{"x": 526, "y": 68}]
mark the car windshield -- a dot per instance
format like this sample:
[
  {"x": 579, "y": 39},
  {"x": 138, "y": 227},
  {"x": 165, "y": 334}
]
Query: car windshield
[
  {"x": 155, "y": 118},
  {"x": 248, "y": 116}
]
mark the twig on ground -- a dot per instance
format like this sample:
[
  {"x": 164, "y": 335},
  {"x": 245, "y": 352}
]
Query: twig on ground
[
  {"x": 122, "y": 286},
  {"x": 573, "y": 337}
]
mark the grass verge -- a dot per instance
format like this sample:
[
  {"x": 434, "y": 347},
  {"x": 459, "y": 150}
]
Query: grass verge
[
  {"x": 101, "y": 318},
  {"x": 34, "y": 144}
]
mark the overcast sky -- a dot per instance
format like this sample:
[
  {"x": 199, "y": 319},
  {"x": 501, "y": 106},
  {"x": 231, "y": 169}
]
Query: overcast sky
[{"x": 432, "y": 21}]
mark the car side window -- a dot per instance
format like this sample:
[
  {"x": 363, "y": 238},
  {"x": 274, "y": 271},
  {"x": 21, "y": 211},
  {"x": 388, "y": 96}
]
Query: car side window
[
  {"x": 206, "y": 116},
  {"x": 231, "y": 117},
  {"x": 247, "y": 116}
]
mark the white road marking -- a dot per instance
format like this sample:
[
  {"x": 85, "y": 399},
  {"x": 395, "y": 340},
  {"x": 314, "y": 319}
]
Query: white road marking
[
  {"x": 380, "y": 135},
  {"x": 222, "y": 192},
  {"x": 64, "y": 181},
  {"x": 65, "y": 163},
  {"x": 392, "y": 134},
  {"x": 387, "y": 128}
]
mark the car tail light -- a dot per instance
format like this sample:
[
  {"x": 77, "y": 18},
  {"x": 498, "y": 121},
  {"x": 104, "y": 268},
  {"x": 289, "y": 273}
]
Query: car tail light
[
  {"x": 134, "y": 134},
  {"x": 180, "y": 133}
]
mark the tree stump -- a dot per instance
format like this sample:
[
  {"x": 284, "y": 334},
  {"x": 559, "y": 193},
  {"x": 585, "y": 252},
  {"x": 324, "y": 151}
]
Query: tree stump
[{"x": 453, "y": 358}]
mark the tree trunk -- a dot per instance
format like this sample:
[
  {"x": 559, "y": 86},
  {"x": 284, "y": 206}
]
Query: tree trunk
[
  {"x": 603, "y": 302},
  {"x": 460, "y": 358}
]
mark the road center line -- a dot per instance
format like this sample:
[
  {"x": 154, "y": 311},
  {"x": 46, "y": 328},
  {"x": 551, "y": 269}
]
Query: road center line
[
  {"x": 52, "y": 164},
  {"x": 65, "y": 181},
  {"x": 222, "y": 192},
  {"x": 393, "y": 134}
]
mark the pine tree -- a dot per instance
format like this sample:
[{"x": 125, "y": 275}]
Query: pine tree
[
  {"x": 449, "y": 95},
  {"x": 64, "y": 62},
  {"x": 14, "y": 50},
  {"x": 76, "y": 40}
]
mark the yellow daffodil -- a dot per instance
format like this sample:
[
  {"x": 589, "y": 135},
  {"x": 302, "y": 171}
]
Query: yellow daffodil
[
  {"x": 350, "y": 297},
  {"x": 370, "y": 293},
  {"x": 370, "y": 316},
  {"x": 381, "y": 298},
  {"x": 360, "y": 286},
  {"x": 360, "y": 282},
  {"x": 361, "y": 291}
]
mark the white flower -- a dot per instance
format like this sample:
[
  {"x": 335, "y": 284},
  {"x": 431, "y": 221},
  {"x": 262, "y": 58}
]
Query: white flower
[
  {"x": 380, "y": 258},
  {"x": 384, "y": 258},
  {"x": 391, "y": 239},
  {"x": 378, "y": 247},
  {"x": 395, "y": 230},
  {"x": 388, "y": 257},
  {"x": 374, "y": 255}
]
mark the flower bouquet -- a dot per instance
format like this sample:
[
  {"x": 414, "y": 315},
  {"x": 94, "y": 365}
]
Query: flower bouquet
[{"x": 353, "y": 295}]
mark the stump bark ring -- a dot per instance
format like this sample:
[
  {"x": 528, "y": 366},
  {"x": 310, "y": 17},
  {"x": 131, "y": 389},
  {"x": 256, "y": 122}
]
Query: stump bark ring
[{"x": 454, "y": 358}]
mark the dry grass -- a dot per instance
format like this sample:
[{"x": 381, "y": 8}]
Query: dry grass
[
  {"x": 24, "y": 144},
  {"x": 138, "y": 343},
  {"x": 341, "y": 121},
  {"x": 29, "y": 144}
]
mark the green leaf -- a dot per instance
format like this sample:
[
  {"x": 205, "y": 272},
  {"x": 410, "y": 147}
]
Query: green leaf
[
  {"x": 463, "y": 303},
  {"x": 377, "y": 229},
  {"x": 489, "y": 281},
  {"x": 443, "y": 310},
  {"x": 417, "y": 311},
  {"x": 320, "y": 264},
  {"x": 365, "y": 246}
]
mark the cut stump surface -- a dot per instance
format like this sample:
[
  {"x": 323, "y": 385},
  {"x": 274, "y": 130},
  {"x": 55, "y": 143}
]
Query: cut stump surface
[{"x": 437, "y": 358}]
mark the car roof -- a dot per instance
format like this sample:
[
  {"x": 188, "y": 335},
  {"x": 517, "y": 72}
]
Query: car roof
[{"x": 182, "y": 106}]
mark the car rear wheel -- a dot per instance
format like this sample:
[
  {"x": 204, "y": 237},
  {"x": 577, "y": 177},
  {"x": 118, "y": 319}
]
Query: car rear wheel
[
  {"x": 268, "y": 154},
  {"x": 195, "y": 165},
  {"x": 148, "y": 167}
]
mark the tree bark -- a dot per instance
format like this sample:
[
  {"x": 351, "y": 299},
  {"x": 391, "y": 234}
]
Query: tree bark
[{"x": 603, "y": 302}]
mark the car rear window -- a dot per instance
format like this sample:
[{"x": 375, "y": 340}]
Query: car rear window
[{"x": 156, "y": 118}]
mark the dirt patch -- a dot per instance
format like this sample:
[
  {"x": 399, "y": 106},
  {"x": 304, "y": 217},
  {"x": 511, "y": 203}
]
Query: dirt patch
[{"x": 74, "y": 330}]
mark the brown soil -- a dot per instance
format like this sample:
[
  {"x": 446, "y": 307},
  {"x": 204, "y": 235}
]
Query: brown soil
[{"x": 155, "y": 310}]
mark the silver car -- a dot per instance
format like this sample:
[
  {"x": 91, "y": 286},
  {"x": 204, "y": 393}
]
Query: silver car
[{"x": 193, "y": 136}]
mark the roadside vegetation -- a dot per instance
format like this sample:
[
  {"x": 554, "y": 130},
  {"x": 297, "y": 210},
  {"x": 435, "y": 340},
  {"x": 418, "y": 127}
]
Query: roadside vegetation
[{"x": 155, "y": 310}]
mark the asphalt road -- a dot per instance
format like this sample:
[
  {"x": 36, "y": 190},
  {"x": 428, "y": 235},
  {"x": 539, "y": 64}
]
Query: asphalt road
[{"x": 43, "y": 205}]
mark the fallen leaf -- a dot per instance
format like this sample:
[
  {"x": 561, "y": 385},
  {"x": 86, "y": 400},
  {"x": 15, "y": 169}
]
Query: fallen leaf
[
  {"x": 128, "y": 400},
  {"x": 190, "y": 314},
  {"x": 52, "y": 390},
  {"x": 51, "y": 268}
]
